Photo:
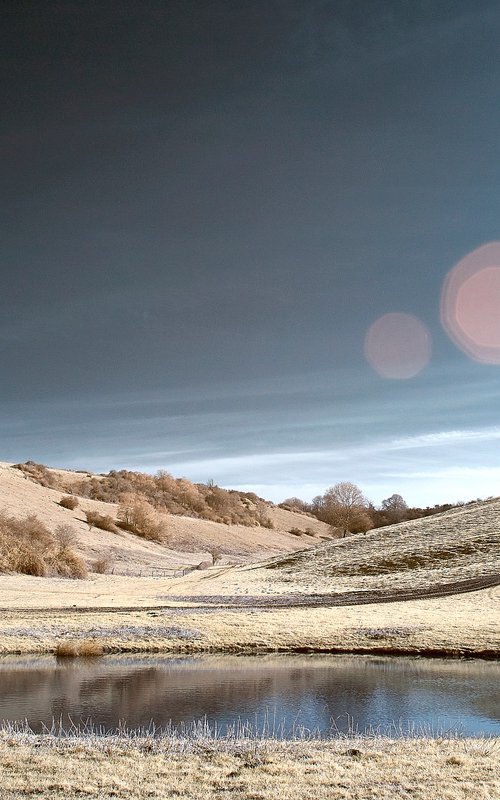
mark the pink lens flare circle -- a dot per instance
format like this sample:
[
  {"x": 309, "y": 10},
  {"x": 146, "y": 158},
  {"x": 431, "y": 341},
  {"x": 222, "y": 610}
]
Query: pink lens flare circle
[
  {"x": 470, "y": 304},
  {"x": 398, "y": 346}
]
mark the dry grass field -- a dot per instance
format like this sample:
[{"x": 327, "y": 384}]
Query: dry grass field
[
  {"x": 345, "y": 769},
  {"x": 330, "y": 597},
  {"x": 135, "y": 615}
]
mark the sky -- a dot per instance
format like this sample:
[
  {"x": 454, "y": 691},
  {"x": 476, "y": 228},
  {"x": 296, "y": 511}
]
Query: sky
[{"x": 254, "y": 242}]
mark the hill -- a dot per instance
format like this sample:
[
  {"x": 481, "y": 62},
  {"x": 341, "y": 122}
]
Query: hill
[
  {"x": 190, "y": 540},
  {"x": 454, "y": 547}
]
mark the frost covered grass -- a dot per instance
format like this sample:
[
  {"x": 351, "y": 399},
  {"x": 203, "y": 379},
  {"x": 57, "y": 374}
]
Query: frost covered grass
[
  {"x": 198, "y": 763},
  {"x": 462, "y": 625}
]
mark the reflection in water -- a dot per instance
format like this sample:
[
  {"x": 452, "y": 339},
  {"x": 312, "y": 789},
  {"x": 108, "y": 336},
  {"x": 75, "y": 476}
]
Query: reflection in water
[{"x": 312, "y": 691}]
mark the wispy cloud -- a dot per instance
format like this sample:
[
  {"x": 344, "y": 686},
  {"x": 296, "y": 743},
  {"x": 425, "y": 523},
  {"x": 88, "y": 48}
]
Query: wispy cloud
[{"x": 445, "y": 438}]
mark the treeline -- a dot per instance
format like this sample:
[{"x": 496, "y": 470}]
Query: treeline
[{"x": 347, "y": 510}]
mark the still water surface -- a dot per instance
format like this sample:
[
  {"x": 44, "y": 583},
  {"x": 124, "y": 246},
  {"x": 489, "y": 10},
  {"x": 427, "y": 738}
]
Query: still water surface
[{"x": 432, "y": 696}]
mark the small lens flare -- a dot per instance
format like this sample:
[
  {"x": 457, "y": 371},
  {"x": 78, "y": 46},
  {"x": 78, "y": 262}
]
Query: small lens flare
[
  {"x": 470, "y": 304},
  {"x": 398, "y": 346}
]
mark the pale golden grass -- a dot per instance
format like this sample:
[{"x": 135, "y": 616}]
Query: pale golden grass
[
  {"x": 457, "y": 625},
  {"x": 357, "y": 769},
  {"x": 455, "y": 545},
  {"x": 83, "y": 648}
]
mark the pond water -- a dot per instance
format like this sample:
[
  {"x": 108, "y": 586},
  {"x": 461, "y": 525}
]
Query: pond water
[{"x": 319, "y": 692}]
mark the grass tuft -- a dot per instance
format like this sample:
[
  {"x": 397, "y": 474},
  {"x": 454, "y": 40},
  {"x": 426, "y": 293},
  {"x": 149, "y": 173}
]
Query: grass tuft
[{"x": 79, "y": 648}]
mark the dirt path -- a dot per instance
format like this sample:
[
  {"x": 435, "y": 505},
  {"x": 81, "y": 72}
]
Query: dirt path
[{"x": 218, "y": 602}]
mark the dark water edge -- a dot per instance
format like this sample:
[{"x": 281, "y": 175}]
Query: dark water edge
[{"x": 281, "y": 695}]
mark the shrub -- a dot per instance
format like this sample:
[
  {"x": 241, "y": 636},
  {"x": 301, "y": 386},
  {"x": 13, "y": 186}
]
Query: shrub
[
  {"x": 138, "y": 516},
  {"x": 69, "y": 565},
  {"x": 68, "y": 501},
  {"x": 215, "y": 552},
  {"x": 74, "y": 648},
  {"x": 102, "y": 521},
  {"x": 360, "y": 522},
  {"x": 161, "y": 491},
  {"x": 38, "y": 473},
  {"x": 102, "y": 565},
  {"x": 29, "y": 562},
  {"x": 65, "y": 537},
  {"x": 294, "y": 504},
  {"x": 27, "y": 546},
  {"x": 175, "y": 495}
]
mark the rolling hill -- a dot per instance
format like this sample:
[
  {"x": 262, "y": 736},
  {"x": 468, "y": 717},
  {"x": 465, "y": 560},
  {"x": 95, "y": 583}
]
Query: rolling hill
[{"x": 189, "y": 539}]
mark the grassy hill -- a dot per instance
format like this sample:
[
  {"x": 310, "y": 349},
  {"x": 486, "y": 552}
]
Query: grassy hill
[
  {"x": 455, "y": 546},
  {"x": 461, "y": 543},
  {"x": 189, "y": 541}
]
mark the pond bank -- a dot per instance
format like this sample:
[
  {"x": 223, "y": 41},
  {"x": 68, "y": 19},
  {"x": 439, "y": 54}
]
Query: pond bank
[
  {"x": 462, "y": 626},
  {"x": 112, "y": 613}
]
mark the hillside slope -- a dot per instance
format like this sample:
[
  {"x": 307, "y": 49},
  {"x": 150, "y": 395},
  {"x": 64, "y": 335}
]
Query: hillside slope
[
  {"x": 190, "y": 539},
  {"x": 449, "y": 548}
]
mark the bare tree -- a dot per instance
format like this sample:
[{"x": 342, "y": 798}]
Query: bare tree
[
  {"x": 394, "y": 507},
  {"x": 65, "y": 537},
  {"x": 215, "y": 552},
  {"x": 345, "y": 507}
]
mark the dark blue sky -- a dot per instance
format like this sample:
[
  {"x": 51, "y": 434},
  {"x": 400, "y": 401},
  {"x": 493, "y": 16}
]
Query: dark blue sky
[{"x": 206, "y": 205}]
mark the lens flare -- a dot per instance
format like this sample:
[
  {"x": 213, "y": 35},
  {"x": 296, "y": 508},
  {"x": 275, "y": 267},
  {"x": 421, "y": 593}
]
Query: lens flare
[
  {"x": 470, "y": 304},
  {"x": 398, "y": 346}
]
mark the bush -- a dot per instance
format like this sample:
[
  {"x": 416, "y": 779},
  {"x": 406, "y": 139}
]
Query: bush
[
  {"x": 68, "y": 501},
  {"x": 215, "y": 552},
  {"x": 161, "y": 491},
  {"x": 138, "y": 516},
  {"x": 102, "y": 565},
  {"x": 28, "y": 562},
  {"x": 38, "y": 473},
  {"x": 175, "y": 495},
  {"x": 83, "y": 648},
  {"x": 65, "y": 537},
  {"x": 69, "y": 565},
  {"x": 294, "y": 504},
  {"x": 27, "y": 546},
  {"x": 102, "y": 521}
]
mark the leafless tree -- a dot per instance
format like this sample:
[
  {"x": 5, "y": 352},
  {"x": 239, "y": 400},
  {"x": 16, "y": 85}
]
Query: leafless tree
[
  {"x": 65, "y": 537},
  {"x": 215, "y": 552},
  {"x": 394, "y": 507},
  {"x": 345, "y": 507}
]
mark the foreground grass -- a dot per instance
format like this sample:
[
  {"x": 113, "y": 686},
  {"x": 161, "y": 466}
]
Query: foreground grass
[{"x": 206, "y": 769}]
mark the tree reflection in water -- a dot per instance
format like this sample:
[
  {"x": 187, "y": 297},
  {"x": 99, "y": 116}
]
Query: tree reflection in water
[{"x": 311, "y": 690}]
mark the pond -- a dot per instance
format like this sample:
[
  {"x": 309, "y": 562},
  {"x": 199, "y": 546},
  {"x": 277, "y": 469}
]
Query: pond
[{"x": 280, "y": 694}]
